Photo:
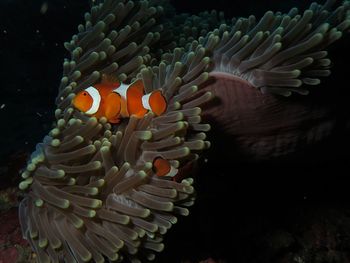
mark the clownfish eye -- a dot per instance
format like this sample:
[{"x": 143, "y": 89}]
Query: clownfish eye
[{"x": 84, "y": 94}]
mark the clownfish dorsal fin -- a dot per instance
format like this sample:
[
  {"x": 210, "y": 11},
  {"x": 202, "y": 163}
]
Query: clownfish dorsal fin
[{"x": 109, "y": 79}]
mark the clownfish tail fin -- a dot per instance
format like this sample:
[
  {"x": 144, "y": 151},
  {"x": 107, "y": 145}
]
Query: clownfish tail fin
[
  {"x": 161, "y": 167},
  {"x": 157, "y": 102}
]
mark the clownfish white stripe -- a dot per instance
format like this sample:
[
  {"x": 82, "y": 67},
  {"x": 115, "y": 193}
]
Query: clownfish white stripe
[
  {"x": 173, "y": 171},
  {"x": 96, "y": 99},
  {"x": 122, "y": 90},
  {"x": 145, "y": 101}
]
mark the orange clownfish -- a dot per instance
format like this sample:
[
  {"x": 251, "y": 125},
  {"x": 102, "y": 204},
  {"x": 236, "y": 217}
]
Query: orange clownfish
[
  {"x": 162, "y": 167},
  {"x": 115, "y": 100}
]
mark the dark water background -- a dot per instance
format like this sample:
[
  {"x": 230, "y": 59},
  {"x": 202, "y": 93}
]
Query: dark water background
[{"x": 239, "y": 204}]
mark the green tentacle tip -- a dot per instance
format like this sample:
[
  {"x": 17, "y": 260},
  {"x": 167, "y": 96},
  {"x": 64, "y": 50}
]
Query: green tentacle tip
[
  {"x": 87, "y": 257},
  {"x": 29, "y": 180},
  {"x": 78, "y": 223},
  {"x": 60, "y": 173},
  {"x": 31, "y": 167},
  {"x": 206, "y": 60},
  {"x": 188, "y": 189},
  {"x": 148, "y": 166},
  {"x": 187, "y": 151},
  {"x": 178, "y": 65},
  {"x": 39, "y": 202},
  {"x": 64, "y": 204},
  {"x": 178, "y": 81},
  {"x": 122, "y": 77},
  {"x": 23, "y": 185},
  {"x": 72, "y": 121},
  {"x": 38, "y": 159},
  {"x": 102, "y": 55},
  {"x": 79, "y": 138},
  {"x": 179, "y": 125},
  {"x": 92, "y": 120},
  {"x": 126, "y": 165},
  {"x": 146, "y": 213},
  {"x": 71, "y": 181},
  {"x": 55, "y": 132},
  {"x": 96, "y": 204},
  {"x": 177, "y": 105},
  {"x": 25, "y": 174},
  {"x": 142, "y": 174},
  {"x": 207, "y": 144},
  {"x": 91, "y": 213},
  {"x": 94, "y": 191},
  {"x": 58, "y": 112},
  {"x": 114, "y": 257},
  {"x": 187, "y": 181},
  {"x": 141, "y": 233},
  {"x": 55, "y": 142},
  {"x": 206, "y": 127},
  {"x": 104, "y": 149},
  {"x": 103, "y": 120},
  {"x": 100, "y": 260},
  {"x": 61, "y": 123},
  {"x": 56, "y": 245},
  {"x": 145, "y": 135},
  {"x": 205, "y": 75},
  {"x": 43, "y": 242},
  {"x": 296, "y": 73},
  {"x": 185, "y": 212},
  {"x": 33, "y": 234},
  {"x": 76, "y": 75},
  {"x": 100, "y": 182}
]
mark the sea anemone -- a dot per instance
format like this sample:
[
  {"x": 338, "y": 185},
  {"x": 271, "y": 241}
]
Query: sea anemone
[{"x": 91, "y": 192}]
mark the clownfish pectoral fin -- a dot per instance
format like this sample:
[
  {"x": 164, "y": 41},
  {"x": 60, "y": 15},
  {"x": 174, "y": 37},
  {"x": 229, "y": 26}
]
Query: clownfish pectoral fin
[
  {"x": 112, "y": 107},
  {"x": 134, "y": 99},
  {"x": 157, "y": 102},
  {"x": 162, "y": 167}
]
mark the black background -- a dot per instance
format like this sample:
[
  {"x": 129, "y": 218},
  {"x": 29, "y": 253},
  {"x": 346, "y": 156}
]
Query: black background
[{"x": 238, "y": 203}]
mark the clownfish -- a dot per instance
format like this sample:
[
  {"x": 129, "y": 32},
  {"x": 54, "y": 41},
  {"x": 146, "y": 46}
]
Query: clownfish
[
  {"x": 162, "y": 167},
  {"x": 115, "y": 100}
]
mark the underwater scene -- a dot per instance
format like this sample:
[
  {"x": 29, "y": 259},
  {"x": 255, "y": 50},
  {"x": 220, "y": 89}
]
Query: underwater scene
[{"x": 175, "y": 131}]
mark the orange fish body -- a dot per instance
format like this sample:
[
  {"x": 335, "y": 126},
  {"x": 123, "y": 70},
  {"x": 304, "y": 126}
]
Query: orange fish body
[
  {"x": 162, "y": 167},
  {"x": 115, "y": 100}
]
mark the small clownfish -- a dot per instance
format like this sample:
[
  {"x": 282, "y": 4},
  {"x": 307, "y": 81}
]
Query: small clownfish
[
  {"x": 162, "y": 167},
  {"x": 114, "y": 100}
]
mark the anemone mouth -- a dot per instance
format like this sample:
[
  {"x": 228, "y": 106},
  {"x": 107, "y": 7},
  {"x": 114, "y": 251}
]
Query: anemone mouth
[{"x": 259, "y": 126}]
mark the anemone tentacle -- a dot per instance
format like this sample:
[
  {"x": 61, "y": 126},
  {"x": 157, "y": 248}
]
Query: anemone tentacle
[{"x": 281, "y": 52}]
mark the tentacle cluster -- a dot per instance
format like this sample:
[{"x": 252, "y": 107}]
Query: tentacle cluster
[
  {"x": 185, "y": 28},
  {"x": 280, "y": 52},
  {"x": 92, "y": 193}
]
